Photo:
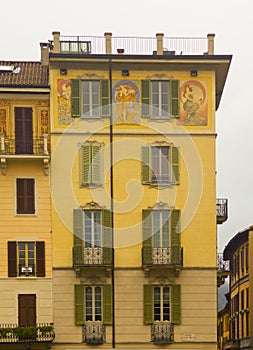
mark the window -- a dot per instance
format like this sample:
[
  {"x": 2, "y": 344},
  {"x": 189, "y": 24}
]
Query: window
[
  {"x": 92, "y": 237},
  {"x": 26, "y": 259},
  {"x": 26, "y": 310},
  {"x": 90, "y": 98},
  {"x": 161, "y": 237},
  {"x": 23, "y": 130},
  {"x": 160, "y": 165},
  {"x": 92, "y": 229},
  {"x": 162, "y": 304},
  {"x": 91, "y": 162},
  {"x": 242, "y": 261},
  {"x": 25, "y": 196},
  {"x": 160, "y": 228},
  {"x": 160, "y": 99},
  {"x": 93, "y": 303}
]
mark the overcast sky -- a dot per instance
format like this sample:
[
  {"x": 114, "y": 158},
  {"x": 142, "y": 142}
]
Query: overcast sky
[{"x": 24, "y": 24}]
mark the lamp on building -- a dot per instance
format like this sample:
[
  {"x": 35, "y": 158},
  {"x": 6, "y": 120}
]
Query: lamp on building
[{"x": 194, "y": 73}]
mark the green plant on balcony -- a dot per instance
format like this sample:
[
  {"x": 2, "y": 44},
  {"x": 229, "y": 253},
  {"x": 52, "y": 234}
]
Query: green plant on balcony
[
  {"x": 44, "y": 330},
  {"x": 28, "y": 332},
  {"x": 5, "y": 332}
]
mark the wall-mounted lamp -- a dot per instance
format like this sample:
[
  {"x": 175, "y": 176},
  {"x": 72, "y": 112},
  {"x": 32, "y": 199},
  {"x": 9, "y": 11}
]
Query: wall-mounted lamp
[
  {"x": 194, "y": 73},
  {"x": 125, "y": 72},
  {"x": 63, "y": 71}
]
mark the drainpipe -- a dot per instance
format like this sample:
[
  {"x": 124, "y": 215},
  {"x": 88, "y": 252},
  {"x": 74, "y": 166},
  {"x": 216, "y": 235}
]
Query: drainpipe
[{"x": 112, "y": 205}]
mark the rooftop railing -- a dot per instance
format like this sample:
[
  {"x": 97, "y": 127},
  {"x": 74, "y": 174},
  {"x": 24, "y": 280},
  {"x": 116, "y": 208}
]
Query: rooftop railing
[{"x": 131, "y": 45}]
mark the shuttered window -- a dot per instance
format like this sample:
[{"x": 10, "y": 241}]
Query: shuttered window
[
  {"x": 26, "y": 259},
  {"x": 91, "y": 229},
  {"x": 161, "y": 237},
  {"x": 162, "y": 303},
  {"x": 90, "y": 98},
  {"x": 160, "y": 98},
  {"x": 160, "y": 165},
  {"x": 25, "y": 196},
  {"x": 91, "y": 164},
  {"x": 93, "y": 303}
]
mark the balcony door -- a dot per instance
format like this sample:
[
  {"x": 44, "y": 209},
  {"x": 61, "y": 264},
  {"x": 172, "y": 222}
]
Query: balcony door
[
  {"x": 26, "y": 310},
  {"x": 23, "y": 130}
]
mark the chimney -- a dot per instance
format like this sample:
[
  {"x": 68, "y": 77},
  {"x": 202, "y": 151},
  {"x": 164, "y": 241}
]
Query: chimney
[
  {"x": 210, "y": 38},
  {"x": 108, "y": 43},
  {"x": 56, "y": 43},
  {"x": 44, "y": 53},
  {"x": 159, "y": 38}
]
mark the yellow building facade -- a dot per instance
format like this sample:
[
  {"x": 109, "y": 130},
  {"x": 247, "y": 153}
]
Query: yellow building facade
[
  {"x": 134, "y": 194},
  {"x": 26, "y": 238}
]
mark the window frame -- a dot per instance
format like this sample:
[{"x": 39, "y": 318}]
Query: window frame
[
  {"x": 162, "y": 304},
  {"x": 93, "y": 304},
  {"x": 91, "y": 93},
  {"x": 92, "y": 242}
]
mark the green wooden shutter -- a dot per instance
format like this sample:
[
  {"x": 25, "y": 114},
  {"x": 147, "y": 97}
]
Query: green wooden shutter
[
  {"x": 175, "y": 237},
  {"x": 174, "y": 161},
  {"x": 176, "y": 303},
  {"x": 148, "y": 304},
  {"x": 85, "y": 164},
  {"x": 96, "y": 164},
  {"x": 107, "y": 304},
  {"x": 105, "y": 100},
  {"x": 146, "y": 165},
  {"x": 147, "y": 237},
  {"x": 79, "y": 304},
  {"x": 107, "y": 236},
  {"x": 78, "y": 222},
  {"x": 145, "y": 97},
  {"x": 174, "y": 88},
  {"x": 75, "y": 97}
]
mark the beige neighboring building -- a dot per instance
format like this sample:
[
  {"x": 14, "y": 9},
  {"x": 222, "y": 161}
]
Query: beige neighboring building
[
  {"x": 26, "y": 313},
  {"x": 133, "y": 167}
]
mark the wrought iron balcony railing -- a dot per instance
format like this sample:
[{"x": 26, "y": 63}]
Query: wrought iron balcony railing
[
  {"x": 99, "y": 256},
  {"x": 221, "y": 210},
  {"x": 171, "y": 256},
  {"x": 11, "y": 333},
  {"x": 162, "y": 333},
  {"x": 94, "y": 333},
  {"x": 222, "y": 265}
]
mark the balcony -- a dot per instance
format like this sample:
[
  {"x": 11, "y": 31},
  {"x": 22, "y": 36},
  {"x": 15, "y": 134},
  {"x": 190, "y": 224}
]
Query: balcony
[
  {"x": 94, "y": 333},
  {"x": 171, "y": 257},
  {"x": 162, "y": 333},
  {"x": 36, "y": 148},
  {"x": 221, "y": 210},
  {"x": 88, "y": 257},
  {"x": 41, "y": 333},
  {"x": 223, "y": 269}
]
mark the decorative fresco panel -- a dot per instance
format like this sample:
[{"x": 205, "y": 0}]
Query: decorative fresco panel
[
  {"x": 64, "y": 102},
  {"x": 126, "y": 98},
  {"x": 3, "y": 121},
  {"x": 193, "y": 103}
]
